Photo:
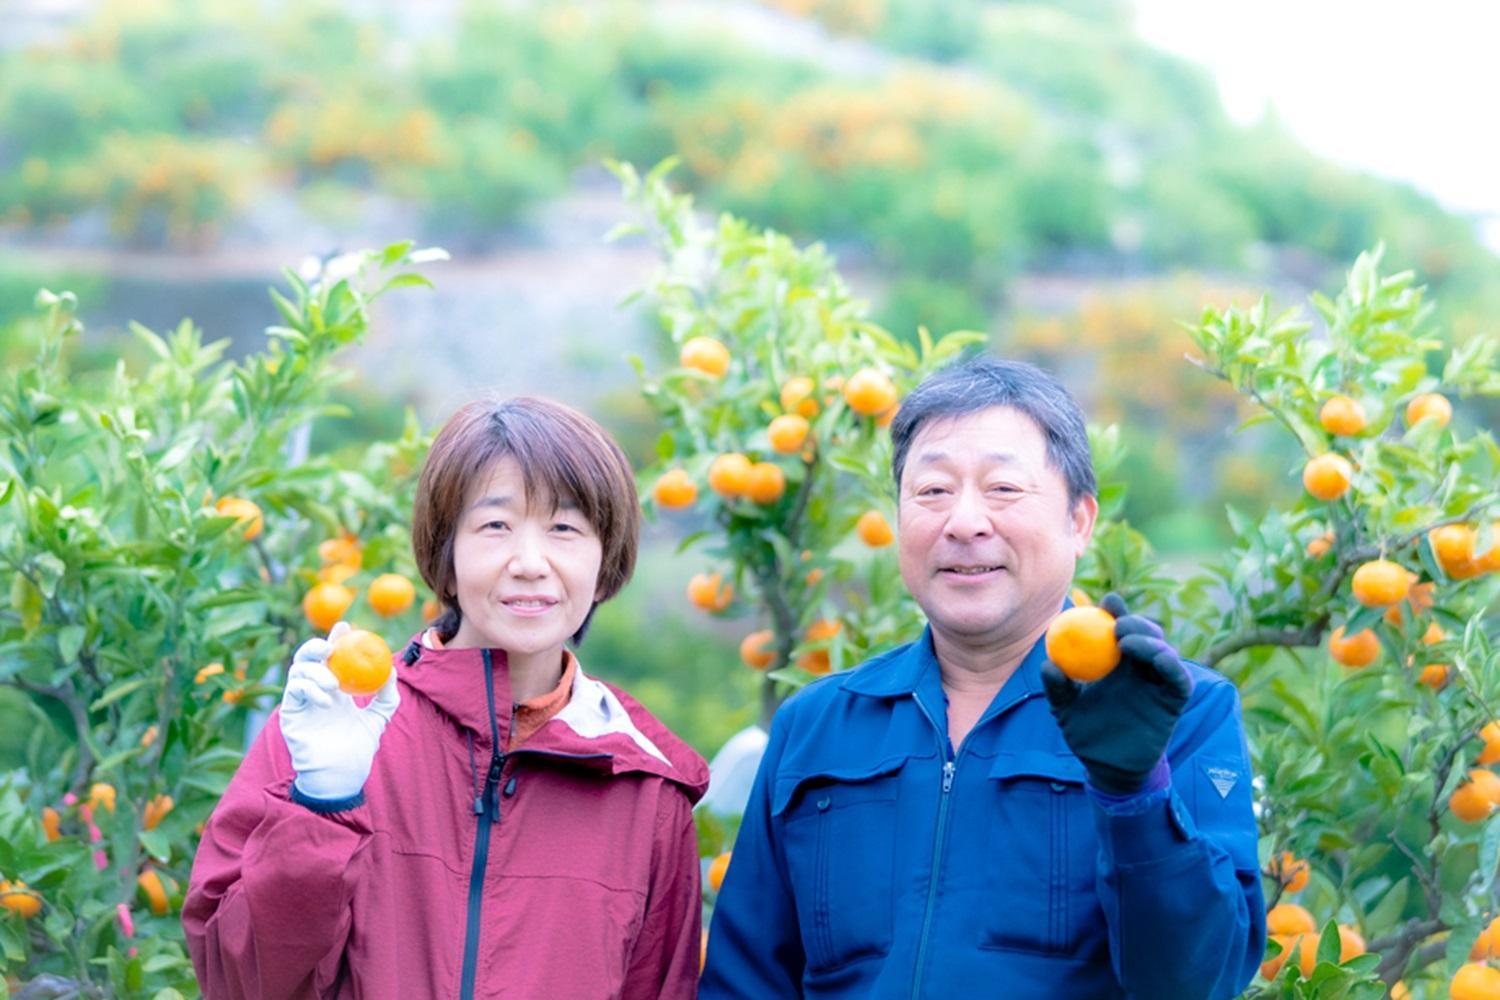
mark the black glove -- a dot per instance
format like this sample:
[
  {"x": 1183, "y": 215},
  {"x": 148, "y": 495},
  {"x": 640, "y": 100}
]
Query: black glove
[{"x": 1118, "y": 726}]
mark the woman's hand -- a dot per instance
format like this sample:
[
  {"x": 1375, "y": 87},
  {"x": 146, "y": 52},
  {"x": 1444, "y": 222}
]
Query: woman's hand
[{"x": 332, "y": 740}]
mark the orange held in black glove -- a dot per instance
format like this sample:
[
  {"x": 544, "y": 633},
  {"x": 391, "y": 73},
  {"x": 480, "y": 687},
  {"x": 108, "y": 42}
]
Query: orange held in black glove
[{"x": 1119, "y": 724}]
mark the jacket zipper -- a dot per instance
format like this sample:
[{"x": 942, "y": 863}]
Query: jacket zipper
[
  {"x": 938, "y": 845},
  {"x": 487, "y": 808}
]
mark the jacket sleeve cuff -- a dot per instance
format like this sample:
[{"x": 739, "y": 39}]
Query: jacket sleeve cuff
[
  {"x": 1152, "y": 828},
  {"x": 327, "y": 805}
]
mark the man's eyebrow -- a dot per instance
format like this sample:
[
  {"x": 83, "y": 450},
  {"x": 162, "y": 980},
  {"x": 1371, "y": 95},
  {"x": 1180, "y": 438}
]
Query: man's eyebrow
[{"x": 929, "y": 457}]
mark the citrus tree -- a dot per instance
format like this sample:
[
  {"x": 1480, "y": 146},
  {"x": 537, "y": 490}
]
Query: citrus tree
[
  {"x": 166, "y": 545},
  {"x": 774, "y": 455},
  {"x": 1354, "y": 620}
]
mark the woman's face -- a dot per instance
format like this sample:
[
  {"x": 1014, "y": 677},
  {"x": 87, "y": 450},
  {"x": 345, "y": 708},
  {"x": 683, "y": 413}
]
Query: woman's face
[{"x": 526, "y": 575}]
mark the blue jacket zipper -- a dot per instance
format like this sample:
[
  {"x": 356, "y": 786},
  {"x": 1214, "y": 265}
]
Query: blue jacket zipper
[
  {"x": 950, "y": 765},
  {"x": 487, "y": 808}
]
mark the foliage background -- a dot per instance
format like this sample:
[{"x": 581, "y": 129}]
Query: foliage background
[{"x": 1030, "y": 170}]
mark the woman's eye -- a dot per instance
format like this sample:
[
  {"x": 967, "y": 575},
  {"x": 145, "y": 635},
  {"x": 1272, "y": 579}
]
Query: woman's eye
[
  {"x": 494, "y": 525},
  {"x": 563, "y": 526}
]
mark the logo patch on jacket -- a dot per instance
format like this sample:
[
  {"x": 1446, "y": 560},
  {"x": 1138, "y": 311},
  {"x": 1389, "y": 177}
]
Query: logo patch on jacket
[{"x": 1223, "y": 779}]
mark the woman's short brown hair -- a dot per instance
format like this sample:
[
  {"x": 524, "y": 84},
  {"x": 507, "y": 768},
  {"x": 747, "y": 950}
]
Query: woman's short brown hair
[{"x": 564, "y": 456}]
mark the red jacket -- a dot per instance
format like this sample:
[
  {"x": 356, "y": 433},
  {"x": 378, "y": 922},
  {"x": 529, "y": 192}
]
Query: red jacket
[{"x": 567, "y": 868}]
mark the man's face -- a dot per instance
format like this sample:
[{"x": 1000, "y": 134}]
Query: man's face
[{"x": 987, "y": 538}]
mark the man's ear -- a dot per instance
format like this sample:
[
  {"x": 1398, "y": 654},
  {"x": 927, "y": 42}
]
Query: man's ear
[{"x": 1085, "y": 512}]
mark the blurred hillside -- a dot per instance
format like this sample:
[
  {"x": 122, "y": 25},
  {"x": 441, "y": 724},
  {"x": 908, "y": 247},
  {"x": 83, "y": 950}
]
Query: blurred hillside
[{"x": 1032, "y": 169}]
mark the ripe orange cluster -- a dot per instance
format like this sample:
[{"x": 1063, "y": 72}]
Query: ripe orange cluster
[
  {"x": 732, "y": 475},
  {"x": 1292, "y": 927},
  {"x": 330, "y": 598},
  {"x": 1328, "y": 476}
]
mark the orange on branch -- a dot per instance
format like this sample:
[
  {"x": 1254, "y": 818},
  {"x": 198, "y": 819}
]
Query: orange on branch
[
  {"x": 675, "y": 490},
  {"x": 767, "y": 483},
  {"x": 1490, "y": 734},
  {"x": 246, "y": 513},
  {"x": 1487, "y": 945},
  {"x": 326, "y": 603},
  {"x": 1477, "y": 797},
  {"x": 1380, "y": 582},
  {"x": 1473, "y": 981},
  {"x": 1429, "y": 406},
  {"x": 51, "y": 823},
  {"x": 787, "y": 433},
  {"x": 869, "y": 392},
  {"x": 817, "y": 661},
  {"x": 797, "y": 397},
  {"x": 1081, "y": 642},
  {"x": 717, "y": 869},
  {"x": 1321, "y": 545},
  {"x": 1289, "y": 918},
  {"x": 18, "y": 899},
  {"x": 102, "y": 796},
  {"x": 705, "y": 354},
  {"x": 1418, "y": 596},
  {"x": 758, "y": 649},
  {"x": 361, "y": 661},
  {"x": 156, "y": 810},
  {"x": 1342, "y": 415},
  {"x": 1289, "y": 870},
  {"x": 156, "y": 894},
  {"x": 874, "y": 530},
  {"x": 709, "y": 592},
  {"x": 1434, "y": 675},
  {"x": 342, "y": 551},
  {"x": 1453, "y": 548},
  {"x": 729, "y": 475},
  {"x": 1327, "y": 476},
  {"x": 391, "y": 594},
  {"x": 1358, "y": 650}
]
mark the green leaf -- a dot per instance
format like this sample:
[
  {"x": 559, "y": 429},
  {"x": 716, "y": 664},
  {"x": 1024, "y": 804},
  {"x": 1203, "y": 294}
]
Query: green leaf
[
  {"x": 118, "y": 691},
  {"x": 69, "y": 642},
  {"x": 1489, "y": 853},
  {"x": 157, "y": 844}
]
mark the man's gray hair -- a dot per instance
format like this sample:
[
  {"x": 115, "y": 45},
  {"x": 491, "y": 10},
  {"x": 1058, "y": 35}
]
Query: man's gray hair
[{"x": 982, "y": 383}]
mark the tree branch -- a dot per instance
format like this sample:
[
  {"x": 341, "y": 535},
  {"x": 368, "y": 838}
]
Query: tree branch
[{"x": 80, "y": 716}]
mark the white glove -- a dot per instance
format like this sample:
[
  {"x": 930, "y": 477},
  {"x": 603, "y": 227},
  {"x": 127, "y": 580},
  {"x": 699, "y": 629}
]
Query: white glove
[{"x": 332, "y": 740}]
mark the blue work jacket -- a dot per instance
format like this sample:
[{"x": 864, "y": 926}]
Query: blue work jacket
[{"x": 873, "y": 861}]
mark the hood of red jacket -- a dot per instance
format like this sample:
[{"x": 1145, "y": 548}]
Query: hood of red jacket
[{"x": 600, "y": 728}]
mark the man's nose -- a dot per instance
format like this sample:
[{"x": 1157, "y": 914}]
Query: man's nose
[{"x": 967, "y": 518}]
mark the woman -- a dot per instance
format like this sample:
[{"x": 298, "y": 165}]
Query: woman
[{"x": 495, "y": 823}]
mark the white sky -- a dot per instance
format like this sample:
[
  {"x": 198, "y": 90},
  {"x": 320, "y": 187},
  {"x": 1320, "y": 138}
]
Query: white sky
[{"x": 1401, "y": 89}]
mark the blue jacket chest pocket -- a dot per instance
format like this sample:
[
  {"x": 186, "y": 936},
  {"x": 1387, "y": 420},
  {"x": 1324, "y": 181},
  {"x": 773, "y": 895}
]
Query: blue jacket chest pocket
[
  {"x": 1041, "y": 858},
  {"x": 838, "y": 830}
]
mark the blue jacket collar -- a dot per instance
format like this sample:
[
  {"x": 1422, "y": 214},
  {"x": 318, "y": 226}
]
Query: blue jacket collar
[{"x": 906, "y": 670}]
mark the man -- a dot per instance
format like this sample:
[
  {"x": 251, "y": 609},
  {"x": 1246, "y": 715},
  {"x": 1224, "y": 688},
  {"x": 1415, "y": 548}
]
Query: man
[{"x": 956, "y": 818}]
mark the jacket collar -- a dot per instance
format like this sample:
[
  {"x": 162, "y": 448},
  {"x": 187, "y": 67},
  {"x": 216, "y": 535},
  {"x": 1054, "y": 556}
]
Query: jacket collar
[
  {"x": 600, "y": 728},
  {"x": 915, "y": 669}
]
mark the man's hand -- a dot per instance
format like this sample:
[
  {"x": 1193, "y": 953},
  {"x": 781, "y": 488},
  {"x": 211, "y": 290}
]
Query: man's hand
[
  {"x": 1119, "y": 725},
  {"x": 331, "y": 739}
]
